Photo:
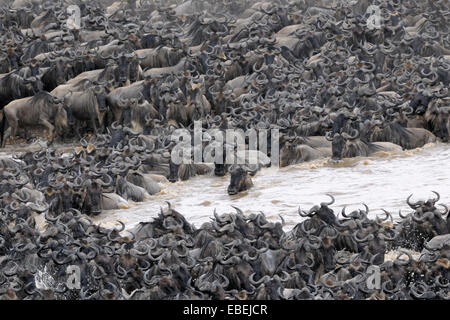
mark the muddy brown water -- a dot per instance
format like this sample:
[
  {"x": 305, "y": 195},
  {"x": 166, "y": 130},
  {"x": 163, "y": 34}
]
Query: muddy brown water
[{"x": 382, "y": 181}]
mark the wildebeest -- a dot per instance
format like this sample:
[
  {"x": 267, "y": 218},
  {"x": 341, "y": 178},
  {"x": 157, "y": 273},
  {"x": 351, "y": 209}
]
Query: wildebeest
[
  {"x": 437, "y": 117},
  {"x": 129, "y": 191},
  {"x": 240, "y": 179},
  {"x": 142, "y": 112},
  {"x": 112, "y": 201},
  {"x": 142, "y": 181},
  {"x": 41, "y": 109},
  {"x": 13, "y": 86},
  {"x": 198, "y": 107},
  {"x": 157, "y": 72},
  {"x": 291, "y": 153},
  {"x": 177, "y": 113},
  {"x": 89, "y": 105},
  {"x": 120, "y": 98},
  {"x": 159, "y": 57},
  {"x": 185, "y": 171},
  {"x": 407, "y": 138},
  {"x": 58, "y": 73},
  {"x": 346, "y": 146},
  {"x": 92, "y": 199},
  {"x": 254, "y": 158}
]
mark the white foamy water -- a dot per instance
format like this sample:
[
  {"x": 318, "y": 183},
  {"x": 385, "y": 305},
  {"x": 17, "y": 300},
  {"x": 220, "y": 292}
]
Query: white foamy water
[{"x": 382, "y": 181}]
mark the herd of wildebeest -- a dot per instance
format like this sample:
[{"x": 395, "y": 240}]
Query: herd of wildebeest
[{"x": 338, "y": 79}]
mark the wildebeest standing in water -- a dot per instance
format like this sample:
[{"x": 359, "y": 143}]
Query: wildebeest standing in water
[
  {"x": 41, "y": 109},
  {"x": 349, "y": 146},
  {"x": 407, "y": 138}
]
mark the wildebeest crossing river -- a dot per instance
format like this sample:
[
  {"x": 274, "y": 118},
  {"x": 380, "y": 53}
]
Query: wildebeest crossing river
[
  {"x": 382, "y": 181},
  {"x": 344, "y": 105}
]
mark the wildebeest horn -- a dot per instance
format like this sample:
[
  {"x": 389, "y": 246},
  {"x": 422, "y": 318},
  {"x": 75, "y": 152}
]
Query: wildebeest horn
[
  {"x": 388, "y": 215},
  {"x": 264, "y": 279},
  {"x": 354, "y": 136},
  {"x": 367, "y": 238},
  {"x": 426, "y": 216},
  {"x": 412, "y": 205},
  {"x": 36, "y": 208},
  {"x": 324, "y": 204},
  {"x": 303, "y": 214},
  {"x": 401, "y": 215},
  {"x": 438, "y": 197},
  {"x": 443, "y": 213}
]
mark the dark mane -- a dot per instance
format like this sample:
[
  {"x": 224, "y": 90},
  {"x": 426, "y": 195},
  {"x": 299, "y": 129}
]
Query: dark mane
[
  {"x": 397, "y": 130},
  {"x": 11, "y": 87},
  {"x": 14, "y": 77},
  {"x": 40, "y": 98}
]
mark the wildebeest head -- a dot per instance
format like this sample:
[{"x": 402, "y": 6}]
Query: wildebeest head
[
  {"x": 33, "y": 85},
  {"x": 100, "y": 95},
  {"x": 150, "y": 41},
  {"x": 92, "y": 203},
  {"x": 181, "y": 171},
  {"x": 337, "y": 146},
  {"x": 339, "y": 123},
  {"x": 419, "y": 103},
  {"x": 344, "y": 145},
  {"x": 323, "y": 212},
  {"x": 60, "y": 71},
  {"x": 438, "y": 118},
  {"x": 123, "y": 65},
  {"x": 240, "y": 180},
  {"x": 287, "y": 153},
  {"x": 65, "y": 198}
]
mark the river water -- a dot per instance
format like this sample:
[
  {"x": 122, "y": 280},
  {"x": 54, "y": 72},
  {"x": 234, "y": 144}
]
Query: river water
[{"x": 382, "y": 181}]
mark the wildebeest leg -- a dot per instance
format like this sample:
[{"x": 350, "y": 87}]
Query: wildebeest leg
[
  {"x": 14, "y": 125},
  {"x": 117, "y": 114},
  {"x": 27, "y": 134},
  {"x": 6, "y": 135},
  {"x": 77, "y": 130},
  {"x": 50, "y": 128},
  {"x": 94, "y": 126},
  {"x": 101, "y": 122}
]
